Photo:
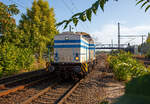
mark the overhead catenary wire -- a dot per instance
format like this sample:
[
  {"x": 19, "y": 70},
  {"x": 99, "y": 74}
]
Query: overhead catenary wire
[
  {"x": 70, "y": 9},
  {"x": 75, "y": 7},
  {"x": 18, "y": 4},
  {"x": 66, "y": 5}
]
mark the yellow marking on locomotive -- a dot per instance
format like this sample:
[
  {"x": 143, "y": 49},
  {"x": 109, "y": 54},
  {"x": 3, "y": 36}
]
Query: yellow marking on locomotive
[{"x": 84, "y": 67}]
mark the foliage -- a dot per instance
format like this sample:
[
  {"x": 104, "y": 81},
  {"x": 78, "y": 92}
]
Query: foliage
[
  {"x": 8, "y": 59},
  {"x": 104, "y": 102},
  {"x": 25, "y": 58},
  {"x": 38, "y": 27},
  {"x": 148, "y": 46},
  {"x": 7, "y": 23},
  {"x": 133, "y": 99},
  {"x": 148, "y": 38},
  {"x": 125, "y": 67},
  {"x": 13, "y": 56},
  {"x": 13, "y": 59},
  {"x": 145, "y": 47},
  {"x": 85, "y": 15},
  {"x": 139, "y": 86},
  {"x": 137, "y": 91},
  {"x": 145, "y": 3}
]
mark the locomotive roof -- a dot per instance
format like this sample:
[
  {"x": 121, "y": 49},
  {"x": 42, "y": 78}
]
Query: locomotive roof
[{"x": 84, "y": 34}]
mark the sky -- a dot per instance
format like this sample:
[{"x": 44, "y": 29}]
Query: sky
[{"x": 103, "y": 27}]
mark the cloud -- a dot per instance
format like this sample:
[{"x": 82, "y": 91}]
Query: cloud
[{"x": 109, "y": 32}]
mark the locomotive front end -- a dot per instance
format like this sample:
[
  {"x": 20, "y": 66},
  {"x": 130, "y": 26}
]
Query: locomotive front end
[{"x": 71, "y": 54}]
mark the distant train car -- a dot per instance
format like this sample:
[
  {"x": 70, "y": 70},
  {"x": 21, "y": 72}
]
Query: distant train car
[{"x": 74, "y": 54}]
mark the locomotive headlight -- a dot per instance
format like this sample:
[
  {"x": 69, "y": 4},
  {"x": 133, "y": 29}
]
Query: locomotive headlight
[{"x": 77, "y": 58}]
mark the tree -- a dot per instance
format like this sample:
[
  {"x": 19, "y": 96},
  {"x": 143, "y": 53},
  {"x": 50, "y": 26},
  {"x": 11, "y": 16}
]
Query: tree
[
  {"x": 148, "y": 38},
  {"x": 13, "y": 57},
  {"x": 87, "y": 14},
  {"x": 7, "y": 23},
  {"x": 38, "y": 27}
]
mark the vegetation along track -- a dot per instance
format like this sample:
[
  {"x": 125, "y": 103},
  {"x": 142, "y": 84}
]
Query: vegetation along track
[{"x": 20, "y": 81}]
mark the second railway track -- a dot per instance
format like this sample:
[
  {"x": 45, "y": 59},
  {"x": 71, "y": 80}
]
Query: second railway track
[{"x": 21, "y": 81}]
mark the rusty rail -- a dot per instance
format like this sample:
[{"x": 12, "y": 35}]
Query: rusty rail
[
  {"x": 20, "y": 76},
  {"x": 20, "y": 81},
  {"x": 59, "y": 100},
  {"x": 37, "y": 95},
  {"x": 68, "y": 93},
  {"x": 20, "y": 87}
]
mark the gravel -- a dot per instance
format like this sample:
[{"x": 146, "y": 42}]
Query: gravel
[
  {"x": 21, "y": 95},
  {"x": 98, "y": 86}
]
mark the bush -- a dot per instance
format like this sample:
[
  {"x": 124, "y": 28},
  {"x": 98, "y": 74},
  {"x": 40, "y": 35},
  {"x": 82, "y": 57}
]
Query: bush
[
  {"x": 13, "y": 59},
  {"x": 8, "y": 59},
  {"x": 139, "y": 86},
  {"x": 125, "y": 67},
  {"x": 136, "y": 91},
  {"x": 25, "y": 58}
]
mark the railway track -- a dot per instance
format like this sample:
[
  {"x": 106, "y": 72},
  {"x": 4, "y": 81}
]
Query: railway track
[
  {"x": 21, "y": 81},
  {"x": 41, "y": 89},
  {"x": 20, "y": 76},
  {"x": 143, "y": 60},
  {"x": 55, "y": 94},
  {"x": 50, "y": 91}
]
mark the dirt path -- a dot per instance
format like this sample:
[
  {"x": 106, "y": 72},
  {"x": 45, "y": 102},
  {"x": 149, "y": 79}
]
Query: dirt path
[{"x": 99, "y": 85}]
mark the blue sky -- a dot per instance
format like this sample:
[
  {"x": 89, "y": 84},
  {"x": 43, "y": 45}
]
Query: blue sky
[{"x": 133, "y": 20}]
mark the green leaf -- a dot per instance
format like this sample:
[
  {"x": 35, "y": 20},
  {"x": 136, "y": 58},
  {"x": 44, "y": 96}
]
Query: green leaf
[
  {"x": 139, "y": 2},
  {"x": 82, "y": 17},
  {"x": 75, "y": 21},
  {"x": 89, "y": 14},
  {"x": 102, "y": 2},
  {"x": 144, "y": 4},
  {"x": 67, "y": 22},
  {"x": 95, "y": 7},
  {"x": 147, "y": 8},
  {"x": 60, "y": 23},
  {"x": 77, "y": 14}
]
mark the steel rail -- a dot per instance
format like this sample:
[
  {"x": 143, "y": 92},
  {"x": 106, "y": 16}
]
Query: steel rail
[
  {"x": 20, "y": 87},
  {"x": 11, "y": 83},
  {"x": 21, "y": 75}
]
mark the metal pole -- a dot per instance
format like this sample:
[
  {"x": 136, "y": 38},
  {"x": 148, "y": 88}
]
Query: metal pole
[
  {"x": 112, "y": 42},
  {"x": 142, "y": 45},
  {"x": 69, "y": 28},
  {"x": 142, "y": 39},
  {"x": 118, "y": 35}
]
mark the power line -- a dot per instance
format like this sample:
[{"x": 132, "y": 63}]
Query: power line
[
  {"x": 17, "y": 4},
  {"x": 73, "y": 4},
  {"x": 68, "y": 7}
]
